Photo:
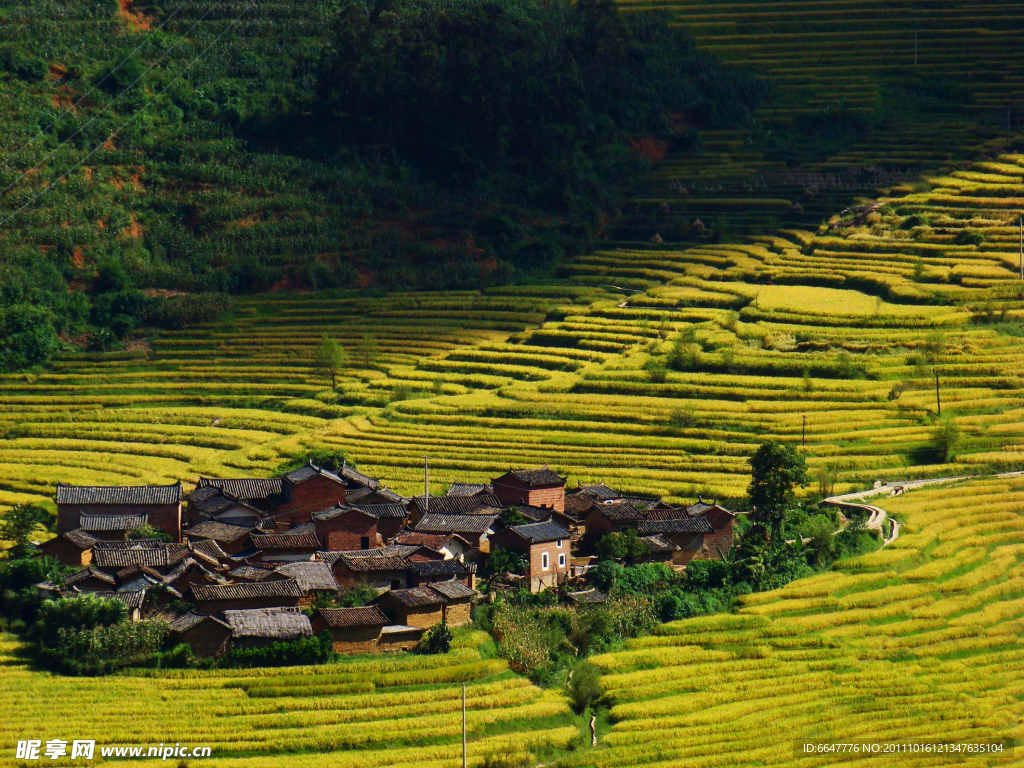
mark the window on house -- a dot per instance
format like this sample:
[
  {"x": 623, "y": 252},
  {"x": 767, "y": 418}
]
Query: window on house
[
  {"x": 364, "y": 542},
  {"x": 559, "y": 543},
  {"x": 544, "y": 564},
  {"x": 396, "y": 584},
  {"x": 561, "y": 560}
]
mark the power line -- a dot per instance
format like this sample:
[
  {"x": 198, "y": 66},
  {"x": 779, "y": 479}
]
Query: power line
[
  {"x": 133, "y": 117},
  {"x": 87, "y": 93},
  {"x": 107, "y": 106}
]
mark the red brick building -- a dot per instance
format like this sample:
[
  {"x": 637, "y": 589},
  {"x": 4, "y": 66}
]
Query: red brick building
[
  {"x": 213, "y": 598},
  {"x": 534, "y": 487},
  {"x": 352, "y": 630},
  {"x": 307, "y": 490},
  {"x": 343, "y": 528},
  {"x": 160, "y": 504},
  {"x": 546, "y": 546}
]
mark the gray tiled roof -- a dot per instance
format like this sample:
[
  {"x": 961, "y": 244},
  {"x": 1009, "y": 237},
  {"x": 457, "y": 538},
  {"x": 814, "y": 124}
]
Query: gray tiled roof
[
  {"x": 384, "y": 510},
  {"x": 285, "y": 541},
  {"x": 415, "y": 597},
  {"x": 132, "y": 600},
  {"x": 217, "y": 531},
  {"x": 157, "y": 557},
  {"x": 311, "y": 576},
  {"x": 119, "y": 494},
  {"x": 469, "y": 489},
  {"x": 540, "y": 532},
  {"x": 454, "y": 505},
  {"x": 687, "y": 525},
  {"x": 360, "y": 563},
  {"x": 537, "y": 477},
  {"x": 247, "y": 488},
  {"x": 187, "y": 621},
  {"x": 453, "y": 590},
  {"x": 247, "y": 590},
  {"x": 367, "y": 616},
  {"x": 274, "y": 623},
  {"x": 439, "y": 568},
  {"x": 112, "y": 522},
  {"x": 442, "y": 523}
]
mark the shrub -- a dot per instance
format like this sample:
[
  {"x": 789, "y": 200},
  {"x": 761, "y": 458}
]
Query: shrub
[
  {"x": 584, "y": 687},
  {"x": 969, "y": 237},
  {"x": 283, "y": 653},
  {"x": 437, "y": 640}
]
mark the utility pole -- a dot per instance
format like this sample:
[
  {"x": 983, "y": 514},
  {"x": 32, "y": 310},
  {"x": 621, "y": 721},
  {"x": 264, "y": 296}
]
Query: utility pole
[
  {"x": 915, "y": 47},
  {"x": 803, "y": 433},
  {"x": 938, "y": 401},
  {"x": 426, "y": 483},
  {"x": 1007, "y": 126},
  {"x": 464, "y": 725},
  {"x": 1022, "y": 247}
]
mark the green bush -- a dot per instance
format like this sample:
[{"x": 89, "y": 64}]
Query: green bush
[{"x": 438, "y": 639}]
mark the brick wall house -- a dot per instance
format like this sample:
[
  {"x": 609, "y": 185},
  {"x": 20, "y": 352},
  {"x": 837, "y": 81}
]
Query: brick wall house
[
  {"x": 343, "y": 528},
  {"x": 459, "y": 601},
  {"x": 161, "y": 505},
  {"x": 534, "y": 487},
  {"x": 307, "y": 490},
  {"x": 546, "y": 546},
  {"x": 719, "y": 543},
  {"x": 208, "y": 636},
  {"x": 352, "y": 630},
  {"x": 417, "y": 607},
  {"x": 213, "y": 598},
  {"x": 352, "y": 569}
]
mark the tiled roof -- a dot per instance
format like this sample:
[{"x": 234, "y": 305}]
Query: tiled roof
[
  {"x": 367, "y": 616},
  {"x": 341, "y": 509},
  {"x": 537, "y": 477},
  {"x": 600, "y": 491},
  {"x": 86, "y": 573},
  {"x": 439, "y": 568},
  {"x": 311, "y": 576},
  {"x": 688, "y": 525},
  {"x": 130, "y": 544},
  {"x": 442, "y": 523},
  {"x": 665, "y": 513},
  {"x": 416, "y": 597},
  {"x": 536, "y": 514},
  {"x": 273, "y": 623},
  {"x": 369, "y": 563},
  {"x": 454, "y": 505},
  {"x": 622, "y": 511},
  {"x": 208, "y": 548},
  {"x": 401, "y": 629},
  {"x": 247, "y": 488},
  {"x": 247, "y": 590},
  {"x": 119, "y": 494},
  {"x": 577, "y": 505},
  {"x": 384, "y": 510},
  {"x": 658, "y": 543},
  {"x": 453, "y": 590},
  {"x": 217, "y": 531},
  {"x": 157, "y": 557},
  {"x": 418, "y": 538},
  {"x": 250, "y": 573},
  {"x": 540, "y": 532},
  {"x": 469, "y": 489},
  {"x": 80, "y": 538},
  {"x": 132, "y": 600},
  {"x": 285, "y": 541},
  {"x": 349, "y": 473},
  {"x": 189, "y": 620},
  {"x": 112, "y": 522}
]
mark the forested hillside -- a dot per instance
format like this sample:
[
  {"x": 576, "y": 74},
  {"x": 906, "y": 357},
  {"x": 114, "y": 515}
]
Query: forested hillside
[{"x": 235, "y": 147}]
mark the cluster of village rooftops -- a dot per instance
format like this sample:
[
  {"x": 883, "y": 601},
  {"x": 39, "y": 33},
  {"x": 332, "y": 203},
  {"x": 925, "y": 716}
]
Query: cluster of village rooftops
[{"x": 251, "y": 553}]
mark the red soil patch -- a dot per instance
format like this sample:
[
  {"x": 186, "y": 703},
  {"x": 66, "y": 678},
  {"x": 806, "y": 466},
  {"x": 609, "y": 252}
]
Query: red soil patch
[
  {"x": 162, "y": 293},
  {"x": 136, "y": 20},
  {"x": 651, "y": 149},
  {"x": 78, "y": 258},
  {"x": 109, "y": 143},
  {"x": 134, "y": 229},
  {"x": 58, "y": 72},
  {"x": 249, "y": 221}
]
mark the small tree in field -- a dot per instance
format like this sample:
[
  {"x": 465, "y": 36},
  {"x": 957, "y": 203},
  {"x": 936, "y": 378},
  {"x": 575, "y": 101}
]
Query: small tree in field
[
  {"x": 368, "y": 350},
  {"x": 946, "y": 439},
  {"x": 329, "y": 359},
  {"x": 774, "y": 470},
  {"x": 18, "y": 525}
]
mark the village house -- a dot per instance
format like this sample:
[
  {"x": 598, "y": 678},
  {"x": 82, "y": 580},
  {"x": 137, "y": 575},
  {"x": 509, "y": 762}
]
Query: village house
[
  {"x": 263, "y": 493},
  {"x": 720, "y": 542},
  {"x": 458, "y": 603},
  {"x": 282, "y": 547},
  {"x": 160, "y": 505},
  {"x": 214, "y": 598},
  {"x": 133, "y": 600},
  {"x": 416, "y": 607},
  {"x": 448, "y": 545},
  {"x": 430, "y": 571},
  {"x": 391, "y": 518},
  {"x": 211, "y": 502},
  {"x": 546, "y": 546},
  {"x": 71, "y": 548},
  {"x": 420, "y": 506},
  {"x": 231, "y": 538},
  {"x": 470, "y": 489},
  {"x": 533, "y": 487},
  {"x": 207, "y": 635},
  {"x": 343, "y": 528},
  {"x": 399, "y": 637},
  {"x": 378, "y": 571},
  {"x": 314, "y": 578},
  {"x": 687, "y": 533},
  {"x": 352, "y": 630},
  {"x": 475, "y": 529},
  {"x": 259, "y": 627}
]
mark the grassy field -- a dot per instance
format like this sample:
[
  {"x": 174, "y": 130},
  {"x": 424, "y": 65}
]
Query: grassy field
[
  {"x": 846, "y": 327},
  {"x": 919, "y": 641}
]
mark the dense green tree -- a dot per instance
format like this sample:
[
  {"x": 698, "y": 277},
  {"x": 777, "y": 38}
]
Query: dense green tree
[
  {"x": 774, "y": 471},
  {"x": 329, "y": 359},
  {"x": 18, "y": 525}
]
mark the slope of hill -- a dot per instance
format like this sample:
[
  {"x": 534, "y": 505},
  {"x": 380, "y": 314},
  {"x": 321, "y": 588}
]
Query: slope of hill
[{"x": 666, "y": 389}]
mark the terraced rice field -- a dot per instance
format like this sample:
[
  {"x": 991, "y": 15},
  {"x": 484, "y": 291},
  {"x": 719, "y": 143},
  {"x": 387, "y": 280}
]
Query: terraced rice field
[
  {"x": 857, "y": 55},
  {"x": 920, "y": 641},
  {"x": 372, "y": 712},
  {"x": 845, "y": 326}
]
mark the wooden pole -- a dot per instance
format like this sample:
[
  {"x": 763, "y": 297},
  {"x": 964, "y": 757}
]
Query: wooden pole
[
  {"x": 803, "y": 433},
  {"x": 938, "y": 401},
  {"x": 426, "y": 483},
  {"x": 464, "y": 726},
  {"x": 915, "y": 47},
  {"x": 1022, "y": 247}
]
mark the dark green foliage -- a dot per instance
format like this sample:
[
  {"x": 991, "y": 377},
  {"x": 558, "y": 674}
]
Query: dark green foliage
[
  {"x": 147, "y": 531},
  {"x": 19, "y": 597},
  {"x": 626, "y": 547},
  {"x": 501, "y": 561},
  {"x": 969, "y": 237},
  {"x": 775, "y": 470},
  {"x": 438, "y": 639},
  {"x": 329, "y": 458},
  {"x": 356, "y": 597},
  {"x": 512, "y": 516},
  {"x": 585, "y": 687},
  {"x": 815, "y": 136},
  {"x": 27, "y": 336},
  {"x": 18, "y": 525},
  {"x": 282, "y": 653},
  {"x": 106, "y": 647},
  {"x": 75, "y": 614}
]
